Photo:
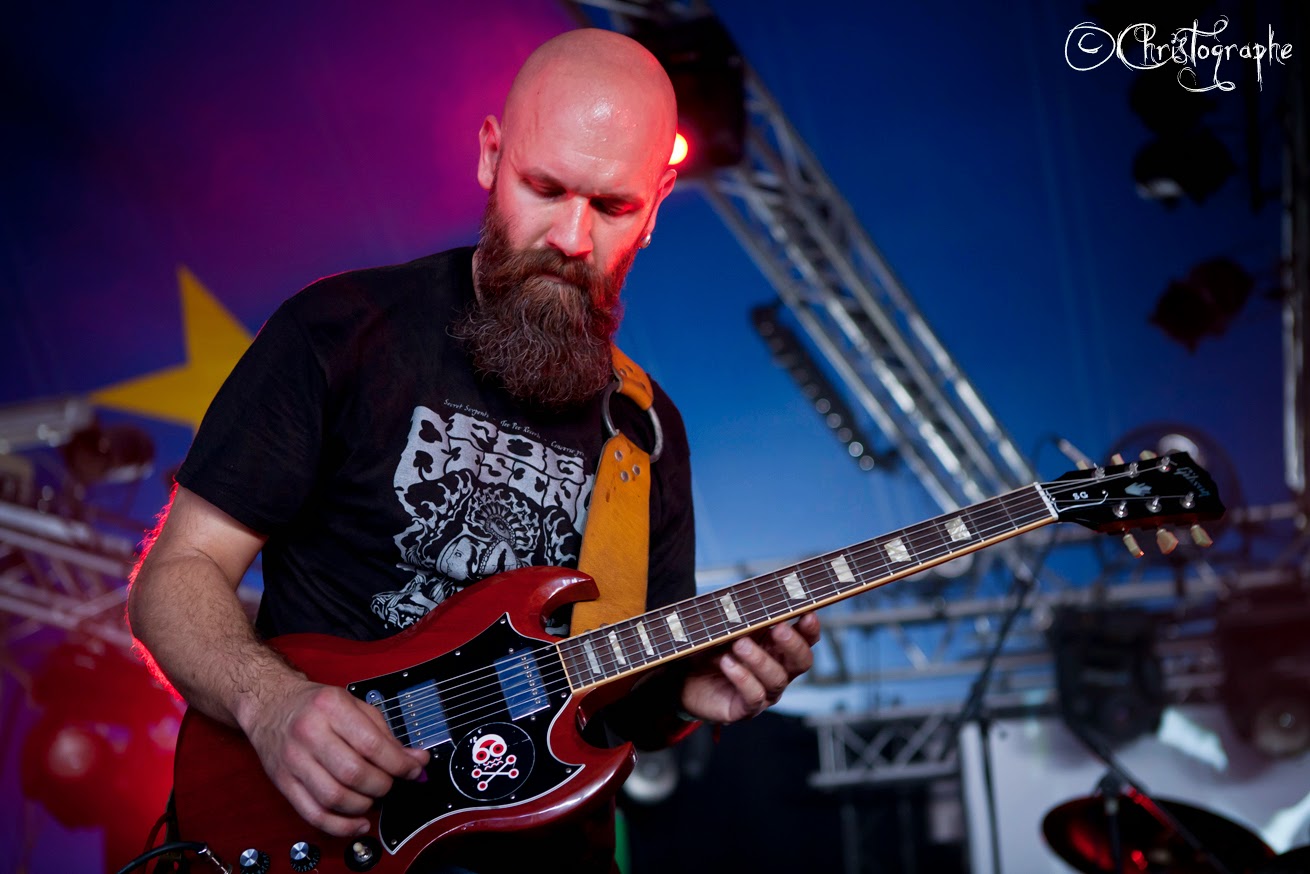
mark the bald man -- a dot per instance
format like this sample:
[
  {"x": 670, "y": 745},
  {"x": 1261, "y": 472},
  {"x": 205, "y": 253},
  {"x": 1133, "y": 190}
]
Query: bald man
[{"x": 396, "y": 435}]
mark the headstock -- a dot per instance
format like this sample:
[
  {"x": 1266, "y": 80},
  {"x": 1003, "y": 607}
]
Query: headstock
[{"x": 1150, "y": 493}]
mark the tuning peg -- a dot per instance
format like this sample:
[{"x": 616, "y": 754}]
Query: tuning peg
[
  {"x": 1165, "y": 539},
  {"x": 1084, "y": 464},
  {"x": 1133, "y": 549},
  {"x": 1116, "y": 459},
  {"x": 1147, "y": 455},
  {"x": 1200, "y": 537}
]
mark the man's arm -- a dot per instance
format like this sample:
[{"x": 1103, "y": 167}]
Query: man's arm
[{"x": 330, "y": 754}]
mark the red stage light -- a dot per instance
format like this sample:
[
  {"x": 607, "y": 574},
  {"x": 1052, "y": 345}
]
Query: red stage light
[
  {"x": 680, "y": 150},
  {"x": 100, "y": 755},
  {"x": 72, "y": 753}
]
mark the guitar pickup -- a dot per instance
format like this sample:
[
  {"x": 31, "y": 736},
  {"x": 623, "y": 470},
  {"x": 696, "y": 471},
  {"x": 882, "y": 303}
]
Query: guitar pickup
[
  {"x": 521, "y": 684},
  {"x": 422, "y": 714}
]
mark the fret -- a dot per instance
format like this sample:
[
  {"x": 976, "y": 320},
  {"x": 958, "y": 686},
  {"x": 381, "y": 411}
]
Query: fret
[
  {"x": 632, "y": 650},
  {"x": 823, "y": 578},
  {"x": 698, "y": 620}
]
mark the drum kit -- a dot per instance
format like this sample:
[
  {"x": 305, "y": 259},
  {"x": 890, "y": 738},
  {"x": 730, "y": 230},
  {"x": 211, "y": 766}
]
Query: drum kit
[{"x": 1110, "y": 833}]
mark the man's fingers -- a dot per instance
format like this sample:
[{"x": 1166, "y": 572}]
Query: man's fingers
[
  {"x": 306, "y": 804},
  {"x": 792, "y": 645},
  {"x": 367, "y": 735},
  {"x": 418, "y": 756}
]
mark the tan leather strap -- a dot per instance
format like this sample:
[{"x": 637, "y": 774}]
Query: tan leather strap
[{"x": 616, "y": 543}]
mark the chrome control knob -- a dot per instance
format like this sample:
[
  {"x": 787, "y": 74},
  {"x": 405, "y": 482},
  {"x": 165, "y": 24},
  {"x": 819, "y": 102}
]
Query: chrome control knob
[
  {"x": 254, "y": 861},
  {"x": 304, "y": 856}
]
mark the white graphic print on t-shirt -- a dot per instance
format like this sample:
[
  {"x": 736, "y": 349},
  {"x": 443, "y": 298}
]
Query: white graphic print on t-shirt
[{"x": 482, "y": 499}]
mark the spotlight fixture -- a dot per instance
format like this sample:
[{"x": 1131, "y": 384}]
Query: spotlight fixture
[
  {"x": 1193, "y": 163},
  {"x": 1205, "y": 302},
  {"x": 708, "y": 76},
  {"x": 109, "y": 453}
]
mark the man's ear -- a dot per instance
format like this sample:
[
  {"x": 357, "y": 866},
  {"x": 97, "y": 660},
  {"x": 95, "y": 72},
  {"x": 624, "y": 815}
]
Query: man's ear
[
  {"x": 488, "y": 151},
  {"x": 665, "y": 186}
]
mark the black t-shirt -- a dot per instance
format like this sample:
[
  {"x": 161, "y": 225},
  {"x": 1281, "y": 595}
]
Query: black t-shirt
[{"x": 387, "y": 475}]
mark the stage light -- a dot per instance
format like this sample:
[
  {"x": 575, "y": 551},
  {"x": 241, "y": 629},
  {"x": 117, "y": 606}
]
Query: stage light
[
  {"x": 100, "y": 755},
  {"x": 1203, "y": 303},
  {"x": 1194, "y": 164},
  {"x": 1108, "y": 676},
  {"x": 788, "y": 352},
  {"x": 708, "y": 76},
  {"x": 680, "y": 150},
  {"x": 109, "y": 453},
  {"x": 1164, "y": 105}
]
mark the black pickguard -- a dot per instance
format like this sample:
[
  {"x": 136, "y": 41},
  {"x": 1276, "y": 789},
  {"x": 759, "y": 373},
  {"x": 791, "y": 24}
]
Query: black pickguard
[{"x": 486, "y": 725}]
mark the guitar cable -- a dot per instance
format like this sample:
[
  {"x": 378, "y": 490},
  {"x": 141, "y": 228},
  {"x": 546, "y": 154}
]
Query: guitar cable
[{"x": 173, "y": 847}]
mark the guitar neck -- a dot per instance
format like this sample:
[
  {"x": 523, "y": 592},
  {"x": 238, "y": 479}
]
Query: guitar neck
[{"x": 642, "y": 642}]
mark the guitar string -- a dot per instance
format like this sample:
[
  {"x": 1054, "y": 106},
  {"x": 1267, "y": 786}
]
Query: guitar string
[
  {"x": 514, "y": 697},
  {"x": 697, "y": 613},
  {"x": 451, "y": 692}
]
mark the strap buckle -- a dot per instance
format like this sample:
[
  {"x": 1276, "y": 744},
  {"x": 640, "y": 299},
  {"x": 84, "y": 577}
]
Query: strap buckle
[{"x": 617, "y": 386}]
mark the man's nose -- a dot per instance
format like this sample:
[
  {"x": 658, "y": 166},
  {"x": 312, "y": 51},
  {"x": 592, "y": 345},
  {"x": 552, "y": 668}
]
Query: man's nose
[{"x": 570, "y": 232}]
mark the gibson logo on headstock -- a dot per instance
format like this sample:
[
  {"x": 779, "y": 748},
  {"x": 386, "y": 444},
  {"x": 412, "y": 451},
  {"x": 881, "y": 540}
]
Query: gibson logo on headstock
[{"x": 1195, "y": 479}]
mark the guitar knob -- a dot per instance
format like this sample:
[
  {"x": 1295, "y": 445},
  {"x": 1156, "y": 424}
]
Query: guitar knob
[
  {"x": 254, "y": 862},
  {"x": 1133, "y": 549},
  {"x": 1200, "y": 536},
  {"x": 363, "y": 854},
  {"x": 1165, "y": 539},
  {"x": 304, "y": 856}
]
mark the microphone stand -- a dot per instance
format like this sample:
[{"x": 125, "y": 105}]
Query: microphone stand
[{"x": 973, "y": 705}]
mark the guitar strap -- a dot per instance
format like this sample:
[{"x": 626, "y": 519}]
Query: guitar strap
[{"x": 616, "y": 542}]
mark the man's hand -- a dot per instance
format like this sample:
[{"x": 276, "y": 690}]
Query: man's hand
[
  {"x": 329, "y": 753},
  {"x": 748, "y": 676}
]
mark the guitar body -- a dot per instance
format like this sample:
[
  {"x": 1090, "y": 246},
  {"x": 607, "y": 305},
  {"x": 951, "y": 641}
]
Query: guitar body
[{"x": 477, "y": 682}]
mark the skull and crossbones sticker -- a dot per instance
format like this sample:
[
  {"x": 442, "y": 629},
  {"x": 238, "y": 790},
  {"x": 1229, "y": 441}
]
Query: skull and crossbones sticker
[{"x": 493, "y": 761}]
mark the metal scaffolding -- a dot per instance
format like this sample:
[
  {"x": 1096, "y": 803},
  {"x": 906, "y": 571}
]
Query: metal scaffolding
[{"x": 804, "y": 237}]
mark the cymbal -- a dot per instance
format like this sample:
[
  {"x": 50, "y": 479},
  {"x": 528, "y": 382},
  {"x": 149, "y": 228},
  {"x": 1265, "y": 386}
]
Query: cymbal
[
  {"x": 1078, "y": 832},
  {"x": 1295, "y": 861}
]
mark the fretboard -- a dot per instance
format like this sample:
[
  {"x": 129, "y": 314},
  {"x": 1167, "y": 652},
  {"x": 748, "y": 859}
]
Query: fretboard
[{"x": 612, "y": 651}]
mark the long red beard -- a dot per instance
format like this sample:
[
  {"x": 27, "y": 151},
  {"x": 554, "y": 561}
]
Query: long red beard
[{"x": 546, "y": 342}]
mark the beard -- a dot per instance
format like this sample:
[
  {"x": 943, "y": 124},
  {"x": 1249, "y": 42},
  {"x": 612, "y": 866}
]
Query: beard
[{"x": 546, "y": 342}]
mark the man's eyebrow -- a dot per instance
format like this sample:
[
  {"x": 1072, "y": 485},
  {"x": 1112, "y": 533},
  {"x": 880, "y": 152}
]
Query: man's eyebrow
[{"x": 541, "y": 177}]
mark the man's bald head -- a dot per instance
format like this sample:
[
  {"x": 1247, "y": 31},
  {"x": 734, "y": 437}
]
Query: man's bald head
[
  {"x": 600, "y": 81},
  {"x": 575, "y": 176}
]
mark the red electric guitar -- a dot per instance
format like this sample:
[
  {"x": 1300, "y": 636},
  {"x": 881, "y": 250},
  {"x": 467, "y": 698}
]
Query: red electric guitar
[{"x": 498, "y": 702}]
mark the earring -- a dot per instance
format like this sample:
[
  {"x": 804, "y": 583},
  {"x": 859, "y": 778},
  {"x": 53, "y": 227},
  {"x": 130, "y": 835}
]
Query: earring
[{"x": 645, "y": 242}]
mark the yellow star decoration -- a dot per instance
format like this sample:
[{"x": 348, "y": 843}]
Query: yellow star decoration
[{"x": 181, "y": 394}]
